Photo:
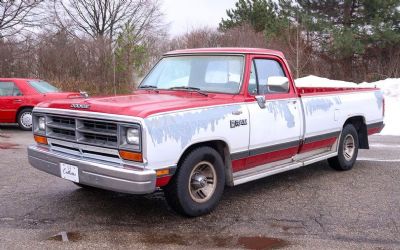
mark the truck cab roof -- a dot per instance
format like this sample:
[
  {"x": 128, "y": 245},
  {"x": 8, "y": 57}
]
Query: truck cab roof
[{"x": 228, "y": 50}]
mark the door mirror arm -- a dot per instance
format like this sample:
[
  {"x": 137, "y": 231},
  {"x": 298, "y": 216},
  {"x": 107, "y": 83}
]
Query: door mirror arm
[{"x": 261, "y": 101}]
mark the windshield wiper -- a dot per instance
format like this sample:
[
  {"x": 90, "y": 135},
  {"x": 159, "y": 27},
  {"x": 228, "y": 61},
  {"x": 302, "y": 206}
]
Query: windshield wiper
[
  {"x": 147, "y": 87},
  {"x": 190, "y": 89}
]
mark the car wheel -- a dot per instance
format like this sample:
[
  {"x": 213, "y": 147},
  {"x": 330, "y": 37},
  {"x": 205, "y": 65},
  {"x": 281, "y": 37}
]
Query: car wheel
[
  {"x": 24, "y": 119},
  {"x": 198, "y": 184},
  {"x": 347, "y": 151}
]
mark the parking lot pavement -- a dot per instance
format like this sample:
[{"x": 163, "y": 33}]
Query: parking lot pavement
[{"x": 313, "y": 207}]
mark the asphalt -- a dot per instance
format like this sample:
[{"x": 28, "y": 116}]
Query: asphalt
[{"x": 313, "y": 207}]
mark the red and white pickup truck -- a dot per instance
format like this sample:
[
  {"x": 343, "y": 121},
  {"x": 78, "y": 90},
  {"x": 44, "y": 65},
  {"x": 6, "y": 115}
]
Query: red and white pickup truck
[{"x": 200, "y": 120}]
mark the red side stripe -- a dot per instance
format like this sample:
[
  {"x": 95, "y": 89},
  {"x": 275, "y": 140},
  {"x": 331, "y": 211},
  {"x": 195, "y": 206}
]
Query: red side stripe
[
  {"x": 256, "y": 160},
  {"x": 317, "y": 144},
  {"x": 374, "y": 130}
]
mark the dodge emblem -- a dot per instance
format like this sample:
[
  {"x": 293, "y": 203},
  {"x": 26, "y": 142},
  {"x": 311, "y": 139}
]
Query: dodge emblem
[{"x": 80, "y": 106}]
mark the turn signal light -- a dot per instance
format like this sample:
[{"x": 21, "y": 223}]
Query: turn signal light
[
  {"x": 131, "y": 156},
  {"x": 40, "y": 139},
  {"x": 162, "y": 172}
]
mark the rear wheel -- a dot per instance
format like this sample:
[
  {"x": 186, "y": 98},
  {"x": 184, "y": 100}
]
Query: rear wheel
[
  {"x": 24, "y": 119},
  {"x": 347, "y": 151},
  {"x": 198, "y": 185}
]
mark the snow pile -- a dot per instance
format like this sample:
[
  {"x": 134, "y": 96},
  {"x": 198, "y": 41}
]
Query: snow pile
[
  {"x": 390, "y": 88},
  {"x": 315, "y": 81}
]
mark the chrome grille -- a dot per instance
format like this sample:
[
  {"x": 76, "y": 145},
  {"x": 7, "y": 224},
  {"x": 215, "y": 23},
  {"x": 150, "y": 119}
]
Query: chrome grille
[{"x": 92, "y": 132}]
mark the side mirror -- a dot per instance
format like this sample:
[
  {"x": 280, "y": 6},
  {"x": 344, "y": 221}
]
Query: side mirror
[
  {"x": 261, "y": 101},
  {"x": 278, "y": 84}
]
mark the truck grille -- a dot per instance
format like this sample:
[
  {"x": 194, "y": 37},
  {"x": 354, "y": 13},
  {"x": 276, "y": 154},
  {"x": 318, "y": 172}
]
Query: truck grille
[{"x": 91, "y": 132}]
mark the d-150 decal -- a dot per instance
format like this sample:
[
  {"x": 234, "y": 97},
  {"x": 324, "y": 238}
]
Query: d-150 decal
[{"x": 237, "y": 123}]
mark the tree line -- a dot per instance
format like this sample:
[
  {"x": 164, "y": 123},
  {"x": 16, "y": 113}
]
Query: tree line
[{"x": 106, "y": 46}]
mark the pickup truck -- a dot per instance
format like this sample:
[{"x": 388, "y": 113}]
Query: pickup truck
[{"x": 203, "y": 119}]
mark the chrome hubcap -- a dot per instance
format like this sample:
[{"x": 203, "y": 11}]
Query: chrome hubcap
[
  {"x": 202, "y": 182},
  {"x": 348, "y": 147},
  {"x": 26, "y": 119}
]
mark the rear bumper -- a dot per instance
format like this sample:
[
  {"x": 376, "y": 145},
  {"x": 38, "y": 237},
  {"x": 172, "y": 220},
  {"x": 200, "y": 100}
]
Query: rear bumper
[{"x": 94, "y": 174}]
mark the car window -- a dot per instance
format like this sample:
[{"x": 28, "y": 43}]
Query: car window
[
  {"x": 42, "y": 86},
  {"x": 264, "y": 70},
  {"x": 253, "y": 80},
  {"x": 9, "y": 89}
]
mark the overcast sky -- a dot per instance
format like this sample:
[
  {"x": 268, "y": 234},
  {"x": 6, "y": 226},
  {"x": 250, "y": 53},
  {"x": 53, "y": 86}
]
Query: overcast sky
[{"x": 184, "y": 15}]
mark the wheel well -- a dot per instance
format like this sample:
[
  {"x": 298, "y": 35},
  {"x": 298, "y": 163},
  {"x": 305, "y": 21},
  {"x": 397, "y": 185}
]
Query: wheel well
[
  {"x": 19, "y": 110},
  {"x": 222, "y": 148},
  {"x": 359, "y": 123}
]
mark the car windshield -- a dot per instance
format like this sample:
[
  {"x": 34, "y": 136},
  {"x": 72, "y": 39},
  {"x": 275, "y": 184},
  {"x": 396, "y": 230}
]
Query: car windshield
[
  {"x": 43, "y": 87},
  {"x": 221, "y": 74}
]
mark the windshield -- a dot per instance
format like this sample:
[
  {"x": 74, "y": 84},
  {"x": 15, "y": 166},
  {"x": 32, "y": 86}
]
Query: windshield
[
  {"x": 221, "y": 74},
  {"x": 43, "y": 87}
]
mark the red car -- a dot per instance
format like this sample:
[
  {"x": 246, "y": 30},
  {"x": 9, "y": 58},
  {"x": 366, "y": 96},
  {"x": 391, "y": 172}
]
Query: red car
[{"x": 18, "y": 97}]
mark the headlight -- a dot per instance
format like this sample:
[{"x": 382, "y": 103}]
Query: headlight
[
  {"x": 133, "y": 136},
  {"x": 42, "y": 123}
]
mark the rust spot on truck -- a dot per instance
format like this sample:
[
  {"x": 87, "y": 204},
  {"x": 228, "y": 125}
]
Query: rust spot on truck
[
  {"x": 183, "y": 126},
  {"x": 282, "y": 109}
]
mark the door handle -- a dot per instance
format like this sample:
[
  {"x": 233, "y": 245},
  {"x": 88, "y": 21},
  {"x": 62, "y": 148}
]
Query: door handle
[
  {"x": 292, "y": 101},
  {"x": 238, "y": 112},
  {"x": 17, "y": 100}
]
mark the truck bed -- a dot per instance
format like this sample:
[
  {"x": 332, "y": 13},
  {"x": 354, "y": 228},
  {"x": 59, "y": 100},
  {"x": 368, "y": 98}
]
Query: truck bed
[{"x": 327, "y": 90}]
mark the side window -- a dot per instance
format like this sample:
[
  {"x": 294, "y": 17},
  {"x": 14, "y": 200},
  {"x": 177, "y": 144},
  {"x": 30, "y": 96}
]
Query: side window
[
  {"x": 9, "y": 89},
  {"x": 270, "y": 77}
]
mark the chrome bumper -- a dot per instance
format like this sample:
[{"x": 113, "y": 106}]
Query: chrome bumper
[{"x": 94, "y": 174}]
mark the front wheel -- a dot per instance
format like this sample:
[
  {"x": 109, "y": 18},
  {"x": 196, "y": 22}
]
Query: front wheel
[
  {"x": 198, "y": 185},
  {"x": 347, "y": 151},
  {"x": 24, "y": 119}
]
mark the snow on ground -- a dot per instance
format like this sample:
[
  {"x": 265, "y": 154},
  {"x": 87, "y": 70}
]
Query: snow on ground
[
  {"x": 390, "y": 88},
  {"x": 315, "y": 81}
]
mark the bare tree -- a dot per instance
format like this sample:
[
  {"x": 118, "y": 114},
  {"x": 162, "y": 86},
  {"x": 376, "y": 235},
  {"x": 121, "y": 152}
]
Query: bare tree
[
  {"x": 16, "y": 15},
  {"x": 106, "y": 18}
]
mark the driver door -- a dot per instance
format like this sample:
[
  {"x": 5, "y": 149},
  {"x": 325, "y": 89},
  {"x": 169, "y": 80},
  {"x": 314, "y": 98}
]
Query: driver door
[
  {"x": 10, "y": 101},
  {"x": 275, "y": 129}
]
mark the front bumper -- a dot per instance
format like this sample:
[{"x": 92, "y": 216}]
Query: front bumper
[{"x": 93, "y": 173}]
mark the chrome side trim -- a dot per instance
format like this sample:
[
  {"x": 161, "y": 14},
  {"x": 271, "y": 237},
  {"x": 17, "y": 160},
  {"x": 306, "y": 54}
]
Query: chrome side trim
[
  {"x": 269, "y": 169},
  {"x": 319, "y": 158},
  {"x": 265, "y": 172}
]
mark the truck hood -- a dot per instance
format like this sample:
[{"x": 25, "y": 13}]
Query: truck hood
[{"x": 141, "y": 104}]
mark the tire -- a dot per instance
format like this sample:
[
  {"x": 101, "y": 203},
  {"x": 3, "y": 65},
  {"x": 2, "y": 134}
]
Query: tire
[
  {"x": 347, "y": 151},
  {"x": 24, "y": 119},
  {"x": 197, "y": 186}
]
